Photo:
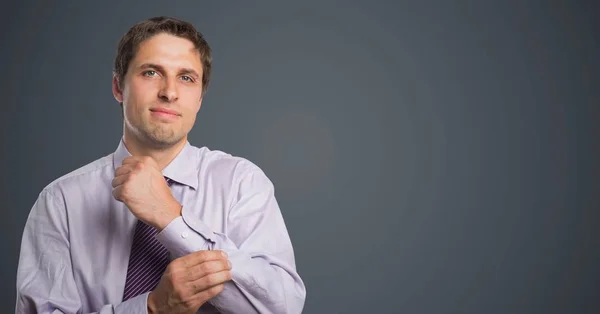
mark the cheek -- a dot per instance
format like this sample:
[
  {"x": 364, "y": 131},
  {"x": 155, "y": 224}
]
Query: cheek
[
  {"x": 141, "y": 90},
  {"x": 190, "y": 115},
  {"x": 193, "y": 101}
]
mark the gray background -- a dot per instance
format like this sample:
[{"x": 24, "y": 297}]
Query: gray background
[{"x": 429, "y": 156}]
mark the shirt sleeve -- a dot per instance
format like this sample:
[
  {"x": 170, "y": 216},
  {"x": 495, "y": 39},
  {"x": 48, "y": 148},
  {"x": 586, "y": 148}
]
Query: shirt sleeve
[
  {"x": 45, "y": 282},
  {"x": 264, "y": 276}
]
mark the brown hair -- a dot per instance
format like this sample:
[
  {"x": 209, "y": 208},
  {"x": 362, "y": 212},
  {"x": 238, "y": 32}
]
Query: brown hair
[{"x": 143, "y": 30}]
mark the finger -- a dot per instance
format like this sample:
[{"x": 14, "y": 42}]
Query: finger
[
  {"x": 210, "y": 281},
  {"x": 130, "y": 160},
  {"x": 146, "y": 160},
  {"x": 116, "y": 181},
  {"x": 200, "y": 257},
  {"x": 209, "y": 293},
  {"x": 196, "y": 300},
  {"x": 206, "y": 268},
  {"x": 116, "y": 192},
  {"x": 123, "y": 170}
]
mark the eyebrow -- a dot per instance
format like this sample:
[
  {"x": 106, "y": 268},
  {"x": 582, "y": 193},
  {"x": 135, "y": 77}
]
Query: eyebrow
[{"x": 183, "y": 71}]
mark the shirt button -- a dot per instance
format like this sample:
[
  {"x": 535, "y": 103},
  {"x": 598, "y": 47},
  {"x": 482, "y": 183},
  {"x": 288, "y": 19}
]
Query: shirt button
[{"x": 184, "y": 234}]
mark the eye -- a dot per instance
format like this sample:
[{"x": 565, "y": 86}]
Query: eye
[
  {"x": 150, "y": 73},
  {"x": 187, "y": 78}
]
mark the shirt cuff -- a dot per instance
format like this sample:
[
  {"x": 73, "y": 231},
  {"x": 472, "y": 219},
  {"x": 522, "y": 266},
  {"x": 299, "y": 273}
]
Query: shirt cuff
[
  {"x": 182, "y": 239},
  {"x": 135, "y": 305}
]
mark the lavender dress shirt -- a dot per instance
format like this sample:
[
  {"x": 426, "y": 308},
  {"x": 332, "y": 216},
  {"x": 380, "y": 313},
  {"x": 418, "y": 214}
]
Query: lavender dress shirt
[{"x": 76, "y": 242}]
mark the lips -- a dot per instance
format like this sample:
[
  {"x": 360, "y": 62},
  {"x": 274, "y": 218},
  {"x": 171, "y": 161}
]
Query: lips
[{"x": 165, "y": 111}]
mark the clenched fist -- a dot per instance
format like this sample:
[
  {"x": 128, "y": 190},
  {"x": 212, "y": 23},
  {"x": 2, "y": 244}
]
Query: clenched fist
[
  {"x": 140, "y": 184},
  {"x": 189, "y": 282}
]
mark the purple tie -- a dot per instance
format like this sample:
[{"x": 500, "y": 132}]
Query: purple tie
[{"x": 147, "y": 262}]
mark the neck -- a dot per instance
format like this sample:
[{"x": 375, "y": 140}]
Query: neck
[{"x": 162, "y": 156}]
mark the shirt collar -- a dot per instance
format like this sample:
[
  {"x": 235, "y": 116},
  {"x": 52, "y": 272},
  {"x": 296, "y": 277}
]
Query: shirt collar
[{"x": 182, "y": 169}]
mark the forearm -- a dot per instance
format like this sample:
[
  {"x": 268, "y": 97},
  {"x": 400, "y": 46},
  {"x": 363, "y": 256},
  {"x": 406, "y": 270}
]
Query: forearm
[
  {"x": 45, "y": 282},
  {"x": 261, "y": 283},
  {"x": 135, "y": 305},
  {"x": 32, "y": 298}
]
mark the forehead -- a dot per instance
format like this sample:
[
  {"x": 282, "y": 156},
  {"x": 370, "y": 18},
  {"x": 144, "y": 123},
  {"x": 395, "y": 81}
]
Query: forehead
[{"x": 168, "y": 51}]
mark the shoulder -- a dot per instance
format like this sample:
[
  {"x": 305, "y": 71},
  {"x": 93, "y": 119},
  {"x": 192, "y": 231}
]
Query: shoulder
[
  {"x": 217, "y": 160},
  {"x": 229, "y": 169},
  {"x": 86, "y": 177}
]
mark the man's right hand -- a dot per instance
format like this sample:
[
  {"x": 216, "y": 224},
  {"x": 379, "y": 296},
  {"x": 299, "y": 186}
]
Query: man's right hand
[{"x": 189, "y": 282}]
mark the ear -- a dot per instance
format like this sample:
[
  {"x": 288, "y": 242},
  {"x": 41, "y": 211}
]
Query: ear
[{"x": 116, "y": 88}]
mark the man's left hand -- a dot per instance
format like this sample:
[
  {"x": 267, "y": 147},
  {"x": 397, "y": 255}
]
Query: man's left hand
[{"x": 140, "y": 184}]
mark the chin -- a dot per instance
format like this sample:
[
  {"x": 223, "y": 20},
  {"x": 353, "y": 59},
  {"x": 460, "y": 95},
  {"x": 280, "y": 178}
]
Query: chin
[{"x": 160, "y": 139}]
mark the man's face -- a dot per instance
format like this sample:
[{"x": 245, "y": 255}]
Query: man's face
[{"x": 162, "y": 90}]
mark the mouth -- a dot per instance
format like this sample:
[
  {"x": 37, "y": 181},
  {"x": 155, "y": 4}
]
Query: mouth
[{"x": 164, "y": 112}]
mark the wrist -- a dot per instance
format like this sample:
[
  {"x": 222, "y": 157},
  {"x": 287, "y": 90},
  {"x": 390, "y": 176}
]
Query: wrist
[
  {"x": 151, "y": 307},
  {"x": 164, "y": 218}
]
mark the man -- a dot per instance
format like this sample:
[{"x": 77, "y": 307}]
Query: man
[{"x": 159, "y": 226}]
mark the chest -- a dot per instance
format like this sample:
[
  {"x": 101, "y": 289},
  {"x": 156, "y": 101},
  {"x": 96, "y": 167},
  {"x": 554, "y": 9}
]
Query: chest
[{"x": 101, "y": 231}]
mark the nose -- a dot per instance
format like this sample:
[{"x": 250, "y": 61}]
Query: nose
[{"x": 168, "y": 91}]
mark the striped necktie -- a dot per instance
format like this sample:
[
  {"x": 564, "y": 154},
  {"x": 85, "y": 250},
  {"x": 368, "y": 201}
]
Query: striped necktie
[{"x": 147, "y": 262}]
